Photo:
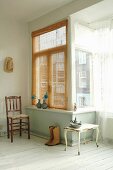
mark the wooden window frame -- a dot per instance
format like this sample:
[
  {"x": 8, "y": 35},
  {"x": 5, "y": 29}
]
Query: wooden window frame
[{"x": 62, "y": 48}]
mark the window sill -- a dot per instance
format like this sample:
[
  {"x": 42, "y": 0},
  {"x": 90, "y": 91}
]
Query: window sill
[
  {"x": 78, "y": 111},
  {"x": 49, "y": 110},
  {"x": 84, "y": 110}
]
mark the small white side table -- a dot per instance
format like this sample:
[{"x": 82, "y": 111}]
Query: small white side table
[{"x": 83, "y": 128}]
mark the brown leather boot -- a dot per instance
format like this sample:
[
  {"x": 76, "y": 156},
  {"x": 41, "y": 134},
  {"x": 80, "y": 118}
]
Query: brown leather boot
[
  {"x": 56, "y": 136},
  {"x": 51, "y": 135}
]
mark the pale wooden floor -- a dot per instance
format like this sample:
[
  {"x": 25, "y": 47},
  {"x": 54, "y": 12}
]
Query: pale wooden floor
[{"x": 32, "y": 154}]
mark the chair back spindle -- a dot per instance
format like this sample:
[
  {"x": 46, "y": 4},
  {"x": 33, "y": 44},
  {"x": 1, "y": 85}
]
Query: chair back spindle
[{"x": 13, "y": 104}]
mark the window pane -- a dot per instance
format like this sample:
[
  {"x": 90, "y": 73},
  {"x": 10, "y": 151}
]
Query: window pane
[
  {"x": 41, "y": 76},
  {"x": 83, "y": 78},
  {"x": 49, "y": 53},
  {"x": 58, "y": 80},
  {"x": 51, "y": 39}
]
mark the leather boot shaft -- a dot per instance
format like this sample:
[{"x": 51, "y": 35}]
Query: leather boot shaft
[
  {"x": 51, "y": 135},
  {"x": 56, "y": 136}
]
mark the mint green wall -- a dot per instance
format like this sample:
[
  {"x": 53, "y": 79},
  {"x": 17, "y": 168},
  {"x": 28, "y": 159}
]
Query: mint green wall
[{"x": 41, "y": 119}]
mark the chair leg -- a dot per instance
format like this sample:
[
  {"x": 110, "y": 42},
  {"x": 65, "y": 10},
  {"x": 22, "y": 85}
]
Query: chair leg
[
  {"x": 20, "y": 127},
  {"x": 8, "y": 128},
  {"x": 28, "y": 128},
  {"x": 11, "y": 130}
]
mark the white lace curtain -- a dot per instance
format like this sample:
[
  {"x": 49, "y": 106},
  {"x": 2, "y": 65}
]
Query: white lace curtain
[
  {"x": 100, "y": 42},
  {"x": 103, "y": 68},
  {"x": 103, "y": 77}
]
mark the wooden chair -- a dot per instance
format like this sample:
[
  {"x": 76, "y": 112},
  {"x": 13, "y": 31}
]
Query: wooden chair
[{"x": 16, "y": 121}]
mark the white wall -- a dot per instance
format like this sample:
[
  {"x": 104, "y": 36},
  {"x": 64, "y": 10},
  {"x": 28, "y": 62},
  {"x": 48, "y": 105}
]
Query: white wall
[
  {"x": 14, "y": 43},
  {"x": 61, "y": 13},
  {"x": 14, "y": 40}
]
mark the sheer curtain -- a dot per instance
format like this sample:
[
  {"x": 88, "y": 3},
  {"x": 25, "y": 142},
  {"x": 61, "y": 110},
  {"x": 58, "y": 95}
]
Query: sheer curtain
[
  {"x": 99, "y": 41},
  {"x": 103, "y": 81}
]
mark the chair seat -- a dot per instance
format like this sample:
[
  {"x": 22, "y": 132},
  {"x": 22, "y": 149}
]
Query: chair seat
[{"x": 18, "y": 116}]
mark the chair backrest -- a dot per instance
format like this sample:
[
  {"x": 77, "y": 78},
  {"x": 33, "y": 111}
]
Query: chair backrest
[{"x": 13, "y": 104}]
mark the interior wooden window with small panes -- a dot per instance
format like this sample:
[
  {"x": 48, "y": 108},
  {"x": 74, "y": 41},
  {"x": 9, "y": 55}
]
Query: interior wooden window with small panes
[{"x": 49, "y": 64}]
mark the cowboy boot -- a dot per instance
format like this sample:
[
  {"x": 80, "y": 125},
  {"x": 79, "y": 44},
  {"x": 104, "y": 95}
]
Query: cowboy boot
[
  {"x": 51, "y": 135},
  {"x": 56, "y": 136}
]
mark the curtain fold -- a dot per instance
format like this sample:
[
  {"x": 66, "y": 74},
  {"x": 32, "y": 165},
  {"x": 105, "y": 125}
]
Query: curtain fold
[
  {"x": 103, "y": 81},
  {"x": 103, "y": 68}
]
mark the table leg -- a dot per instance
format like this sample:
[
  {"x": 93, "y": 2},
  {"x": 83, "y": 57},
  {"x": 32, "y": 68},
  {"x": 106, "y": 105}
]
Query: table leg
[
  {"x": 97, "y": 134},
  {"x": 78, "y": 143},
  {"x": 65, "y": 136},
  {"x": 84, "y": 138}
]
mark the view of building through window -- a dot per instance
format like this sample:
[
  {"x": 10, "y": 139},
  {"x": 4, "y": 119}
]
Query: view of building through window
[
  {"x": 51, "y": 78},
  {"x": 51, "y": 39},
  {"x": 83, "y": 78}
]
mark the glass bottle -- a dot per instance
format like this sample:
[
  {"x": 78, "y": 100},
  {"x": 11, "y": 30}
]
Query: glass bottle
[
  {"x": 38, "y": 104},
  {"x": 44, "y": 104}
]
